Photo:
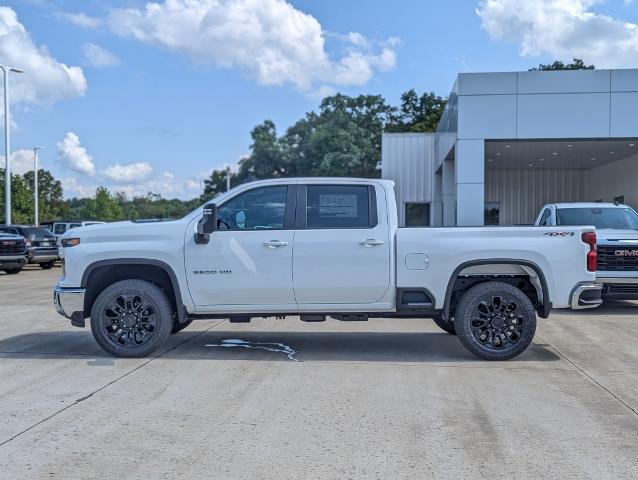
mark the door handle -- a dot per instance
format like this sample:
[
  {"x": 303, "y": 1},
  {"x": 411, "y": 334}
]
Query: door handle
[
  {"x": 371, "y": 242},
  {"x": 275, "y": 244}
]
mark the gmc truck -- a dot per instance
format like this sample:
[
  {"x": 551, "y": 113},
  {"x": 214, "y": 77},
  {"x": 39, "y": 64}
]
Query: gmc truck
[
  {"x": 617, "y": 234},
  {"x": 13, "y": 253},
  {"x": 317, "y": 248}
]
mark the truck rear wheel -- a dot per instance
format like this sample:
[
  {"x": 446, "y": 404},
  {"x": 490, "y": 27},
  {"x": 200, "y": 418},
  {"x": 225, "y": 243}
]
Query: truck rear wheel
[
  {"x": 131, "y": 318},
  {"x": 445, "y": 325},
  {"x": 495, "y": 321}
]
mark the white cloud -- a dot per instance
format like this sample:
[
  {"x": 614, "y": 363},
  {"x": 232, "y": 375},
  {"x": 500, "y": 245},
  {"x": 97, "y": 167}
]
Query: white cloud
[
  {"x": 75, "y": 155},
  {"x": 45, "y": 80},
  {"x": 128, "y": 173},
  {"x": 82, "y": 20},
  {"x": 97, "y": 56},
  {"x": 167, "y": 184},
  {"x": 72, "y": 187},
  {"x": 270, "y": 39},
  {"x": 21, "y": 161},
  {"x": 562, "y": 29}
]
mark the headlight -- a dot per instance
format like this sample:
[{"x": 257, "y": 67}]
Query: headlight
[{"x": 70, "y": 242}]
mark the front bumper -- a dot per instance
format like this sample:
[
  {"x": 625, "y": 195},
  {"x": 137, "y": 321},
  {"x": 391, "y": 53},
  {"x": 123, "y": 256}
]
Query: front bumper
[
  {"x": 69, "y": 302},
  {"x": 13, "y": 261},
  {"x": 587, "y": 295}
]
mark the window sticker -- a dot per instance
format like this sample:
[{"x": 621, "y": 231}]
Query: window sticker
[{"x": 337, "y": 205}]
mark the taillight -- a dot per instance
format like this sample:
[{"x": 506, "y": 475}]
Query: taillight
[{"x": 592, "y": 256}]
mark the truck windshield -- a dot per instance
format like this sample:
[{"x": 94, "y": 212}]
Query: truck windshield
[
  {"x": 37, "y": 232},
  {"x": 614, "y": 218}
]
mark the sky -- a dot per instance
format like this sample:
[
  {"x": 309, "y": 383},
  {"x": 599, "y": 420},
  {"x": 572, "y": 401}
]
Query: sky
[{"x": 151, "y": 96}]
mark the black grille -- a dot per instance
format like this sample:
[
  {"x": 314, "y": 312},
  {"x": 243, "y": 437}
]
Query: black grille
[
  {"x": 12, "y": 247},
  {"x": 619, "y": 289},
  {"x": 617, "y": 258}
]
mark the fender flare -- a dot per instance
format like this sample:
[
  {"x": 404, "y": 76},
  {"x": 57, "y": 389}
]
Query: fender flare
[
  {"x": 546, "y": 307},
  {"x": 182, "y": 313}
]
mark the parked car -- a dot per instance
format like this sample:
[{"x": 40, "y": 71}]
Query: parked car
[
  {"x": 617, "y": 237},
  {"x": 316, "y": 248},
  {"x": 59, "y": 227},
  {"x": 42, "y": 247},
  {"x": 13, "y": 252}
]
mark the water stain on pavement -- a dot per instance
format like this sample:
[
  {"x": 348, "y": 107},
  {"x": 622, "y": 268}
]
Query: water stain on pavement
[{"x": 270, "y": 347}]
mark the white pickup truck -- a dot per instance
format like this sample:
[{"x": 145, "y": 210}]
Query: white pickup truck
[
  {"x": 318, "y": 247},
  {"x": 617, "y": 238}
]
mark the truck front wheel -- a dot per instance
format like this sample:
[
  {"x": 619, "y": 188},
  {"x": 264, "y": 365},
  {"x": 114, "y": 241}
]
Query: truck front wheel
[
  {"x": 495, "y": 321},
  {"x": 131, "y": 318}
]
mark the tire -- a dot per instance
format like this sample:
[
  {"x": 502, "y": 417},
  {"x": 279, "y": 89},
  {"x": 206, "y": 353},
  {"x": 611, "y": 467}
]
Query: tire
[
  {"x": 178, "y": 327},
  {"x": 47, "y": 265},
  {"x": 445, "y": 325},
  {"x": 12, "y": 271},
  {"x": 495, "y": 321},
  {"x": 131, "y": 318}
]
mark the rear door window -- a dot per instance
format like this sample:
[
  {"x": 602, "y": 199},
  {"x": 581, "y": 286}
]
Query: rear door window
[{"x": 339, "y": 206}]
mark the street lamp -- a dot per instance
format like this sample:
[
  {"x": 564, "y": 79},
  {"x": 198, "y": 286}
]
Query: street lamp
[
  {"x": 7, "y": 159},
  {"x": 35, "y": 183}
]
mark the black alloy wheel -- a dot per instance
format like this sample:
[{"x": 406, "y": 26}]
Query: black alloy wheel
[
  {"x": 131, "y": 318},
  {"x": 495, "y": 320}
]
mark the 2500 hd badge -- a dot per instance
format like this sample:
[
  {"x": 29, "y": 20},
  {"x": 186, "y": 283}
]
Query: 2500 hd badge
[{"x": 212, "y": 272}]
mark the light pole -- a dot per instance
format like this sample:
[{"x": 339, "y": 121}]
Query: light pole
[
  {"x": 7, "y": 159},
  {"x": 35, "y": 184},
  {"x": 227, "y": 178}
]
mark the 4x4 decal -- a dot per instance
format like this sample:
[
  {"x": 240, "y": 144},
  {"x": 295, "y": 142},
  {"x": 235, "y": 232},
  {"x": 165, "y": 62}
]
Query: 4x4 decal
[{"x": 559, "y": 234}]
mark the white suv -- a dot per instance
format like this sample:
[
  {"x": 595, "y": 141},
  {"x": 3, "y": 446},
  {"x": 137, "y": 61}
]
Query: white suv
[{"x": 617, "y": 237}]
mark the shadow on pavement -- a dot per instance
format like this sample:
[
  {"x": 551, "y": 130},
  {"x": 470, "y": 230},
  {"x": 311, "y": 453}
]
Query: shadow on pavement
[{"x": 309, "y": 346}]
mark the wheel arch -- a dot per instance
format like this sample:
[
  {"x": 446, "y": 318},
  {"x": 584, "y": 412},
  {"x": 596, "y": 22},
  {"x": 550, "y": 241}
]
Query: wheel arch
[
  {"x": 542, "y": 290},
  {"x": 100, "y": 274}
]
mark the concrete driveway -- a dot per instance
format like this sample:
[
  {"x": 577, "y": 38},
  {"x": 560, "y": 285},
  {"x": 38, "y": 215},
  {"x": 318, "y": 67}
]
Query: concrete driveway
[{"x": 381, "y": 399}]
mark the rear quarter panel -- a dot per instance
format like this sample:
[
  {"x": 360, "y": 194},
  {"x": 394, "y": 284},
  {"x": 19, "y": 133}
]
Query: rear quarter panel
[{"x": 559, "y": 252}]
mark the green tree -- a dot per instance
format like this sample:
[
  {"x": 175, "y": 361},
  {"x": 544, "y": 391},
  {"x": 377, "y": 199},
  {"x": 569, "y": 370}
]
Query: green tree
[
  {"x": 21, "y": 199},
  {"x": 50, "y": 194},
  {"x": 418, "y": 113},
  {"x": 103, "y": 207},
  {"x": 342, "y": 138},
  {"x": 217, "y": 183},
  {"x": 577, "y": 64}
]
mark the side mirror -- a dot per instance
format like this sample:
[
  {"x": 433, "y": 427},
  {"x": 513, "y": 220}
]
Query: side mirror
[{"x": 207, "y": 224}]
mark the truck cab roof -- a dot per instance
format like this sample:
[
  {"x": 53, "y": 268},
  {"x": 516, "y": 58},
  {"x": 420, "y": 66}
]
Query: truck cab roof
[{"x": 589, "y": 205}]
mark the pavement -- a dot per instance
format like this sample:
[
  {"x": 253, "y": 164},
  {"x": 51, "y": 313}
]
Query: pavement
[{"x": 384, "y": 399}]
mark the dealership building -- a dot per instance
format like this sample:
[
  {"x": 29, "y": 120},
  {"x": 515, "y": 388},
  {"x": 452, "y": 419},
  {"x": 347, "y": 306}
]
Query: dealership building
[{"x": 510, "y": 142}]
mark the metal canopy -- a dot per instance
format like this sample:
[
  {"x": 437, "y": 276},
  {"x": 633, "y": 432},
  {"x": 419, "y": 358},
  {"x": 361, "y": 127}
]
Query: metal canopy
[{"x": 556, "y": 154}]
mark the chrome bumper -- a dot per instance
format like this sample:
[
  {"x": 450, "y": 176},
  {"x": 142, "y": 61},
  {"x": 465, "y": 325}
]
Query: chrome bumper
[
  {"x": 587, "y": 295},
  {"x": 617, "y": 280},
  {"x": 43, "y": 258},
  {"x": 69, "y": 301}
]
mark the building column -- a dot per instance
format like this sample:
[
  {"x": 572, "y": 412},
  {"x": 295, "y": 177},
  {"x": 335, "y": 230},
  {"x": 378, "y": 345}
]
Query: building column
[
  {"x": 470, "y": 182},
  {"x": 448, "y": 193},
  {"x": 436, "y": 207}
]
